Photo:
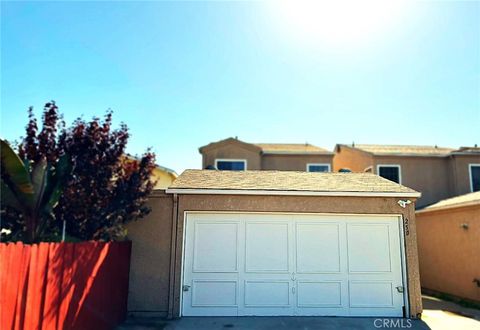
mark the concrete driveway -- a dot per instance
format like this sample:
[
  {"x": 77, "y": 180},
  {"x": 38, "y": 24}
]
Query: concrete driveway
[
  {"x": 274, "y": 323},
  {"x": 437, "y": 315}
]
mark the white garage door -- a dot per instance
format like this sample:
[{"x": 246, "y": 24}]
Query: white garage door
[{"x": 267, "y": 264}]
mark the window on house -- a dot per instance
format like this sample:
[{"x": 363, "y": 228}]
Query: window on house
[
  {"x": 390, "y": 172},
  {"x": 231, "y": 164},
  {"x": 318, "y": 167},
  {"x": 474, "y": 177}
]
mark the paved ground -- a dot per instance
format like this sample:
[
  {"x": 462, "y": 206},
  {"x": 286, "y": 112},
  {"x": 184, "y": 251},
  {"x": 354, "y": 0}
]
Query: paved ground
[
  {"x": 437, "y": 315},
  {"x": 272, "y": 323},
  {"x": 441, "y": 314}
]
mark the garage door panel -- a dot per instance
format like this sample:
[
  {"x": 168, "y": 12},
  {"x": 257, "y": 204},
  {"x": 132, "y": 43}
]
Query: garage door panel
[
  {"x": 312, "y": 240},
  {"x": 319, "y": 294},
  {"x": 214, "y": 293},
  {"x": 267, "y": 247},
  {"x": 371, "y": 294},
  {"x": 368, "y": 248},
  {"x": 255, "y": 264},
  {"x": 215, "y": 247},
  {"x": 267, "y": 293}
]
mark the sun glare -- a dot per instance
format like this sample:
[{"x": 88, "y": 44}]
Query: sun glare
[{"x": 338, "y": 23}]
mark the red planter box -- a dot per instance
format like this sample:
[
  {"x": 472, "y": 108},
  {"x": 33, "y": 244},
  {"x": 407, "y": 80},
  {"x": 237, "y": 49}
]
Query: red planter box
[{"x": 63, "y": 285}]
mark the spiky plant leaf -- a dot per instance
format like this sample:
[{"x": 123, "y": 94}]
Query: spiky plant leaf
[{"x": 15, "y": 175}]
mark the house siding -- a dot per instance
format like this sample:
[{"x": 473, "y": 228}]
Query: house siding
[
  {"x": 429, "y": 175},
  {"x": 437, "y": 178},
  {"x": 449, "y": 254},
  {"x": 151, "y": 245},
  {"x": 232, "y": 152},
  {"x": 461, "y": 172},
  {"x": 293, "y": 162},
  {"x": 355, "y": 160}
]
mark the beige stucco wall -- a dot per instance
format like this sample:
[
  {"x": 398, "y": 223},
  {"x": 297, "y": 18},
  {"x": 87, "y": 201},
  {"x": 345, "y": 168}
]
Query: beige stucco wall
[
  {"x": 436, "y": 178},
  {"x": 293, "y": 162},
  {"x": 295, "y": 204},
  {"x": 460, "y": 172},
  {"x": 449, "y": 255},
  {"x": 229, "y": 151},
  {"x": 429, "y": 175},
  {"x": 355, "y": 160},
  {"x": 150, "y": 263}
]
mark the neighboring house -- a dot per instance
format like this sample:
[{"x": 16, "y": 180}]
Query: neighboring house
[
  {"x": 448, "y": 235},
  {"x": 163, "y": 177},
  {"x": 281, "y": 243},
  {"x": 145, "y": 260},
  {"x": 436, "y": 172},
  {"x": 233, "y": 154}
]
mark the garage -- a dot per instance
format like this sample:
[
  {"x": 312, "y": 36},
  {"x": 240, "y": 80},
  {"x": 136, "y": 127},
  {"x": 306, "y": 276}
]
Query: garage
[{"x": 267, "y": 243}]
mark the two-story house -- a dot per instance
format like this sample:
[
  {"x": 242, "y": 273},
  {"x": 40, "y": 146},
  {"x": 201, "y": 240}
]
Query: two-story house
[
  {"x": 437, "y": 172},
  {"x": 233, "y": 154}
]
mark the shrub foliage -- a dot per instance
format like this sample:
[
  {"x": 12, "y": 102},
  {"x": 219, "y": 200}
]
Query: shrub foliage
[{"x": 105, "y": 189}]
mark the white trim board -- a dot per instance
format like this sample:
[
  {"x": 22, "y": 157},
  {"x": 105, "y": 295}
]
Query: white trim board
[{"x": 186, "y": 191}]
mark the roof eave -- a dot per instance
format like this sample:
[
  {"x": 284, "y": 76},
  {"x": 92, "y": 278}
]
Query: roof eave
[
  {"x": 448, "y": 207},
  {"x": 195, "y": 191}
]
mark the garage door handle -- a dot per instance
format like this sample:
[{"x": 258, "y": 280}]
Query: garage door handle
[
  {"x": 400, "y": 289},
  {"x": 186, "y": 288}
]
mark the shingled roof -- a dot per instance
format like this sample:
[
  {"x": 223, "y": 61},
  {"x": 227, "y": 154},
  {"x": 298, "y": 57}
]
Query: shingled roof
[
  {"x": 402, "y": 150},
  {"x": 291, "y": 148},
  {"x": 454, "y": 202},
  {"x": 288, "y": 182}
]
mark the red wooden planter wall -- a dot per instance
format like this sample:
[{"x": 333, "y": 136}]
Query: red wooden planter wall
[{"x": 63, "y": 285}]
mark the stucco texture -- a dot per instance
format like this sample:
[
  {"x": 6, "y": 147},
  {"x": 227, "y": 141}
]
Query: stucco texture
[
  {"x": 429, "y": 175},
  {"x": 354, "y": 160},
  {"x": 150, "y": 263},
  {"x": 449, "y": 254},
  {"x": 461, "y": 174},
  {"x": 436, "y": 177},
  {"x": 228, "y": 152},
  {"x": 293, "y": 162}
]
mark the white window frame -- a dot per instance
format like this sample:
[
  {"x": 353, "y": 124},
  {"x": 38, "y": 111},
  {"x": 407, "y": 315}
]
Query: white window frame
[
  {"x": 230, "y": 160},
  {"x": 470, "y": 175},
  {"x": 391, "y": 165},
  {"x": 319, "y": 164}
]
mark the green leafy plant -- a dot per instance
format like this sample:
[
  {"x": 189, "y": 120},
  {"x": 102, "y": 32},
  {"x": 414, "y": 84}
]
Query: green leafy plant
[{"x": 29, "y": 193}]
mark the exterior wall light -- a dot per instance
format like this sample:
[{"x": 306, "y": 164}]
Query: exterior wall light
[{"x": 404, "y": 203}]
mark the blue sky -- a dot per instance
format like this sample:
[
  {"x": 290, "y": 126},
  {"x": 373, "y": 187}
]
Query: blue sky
[{"x": 183, "y": 74}]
